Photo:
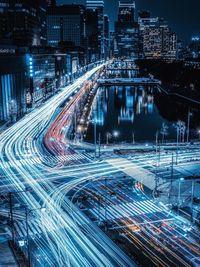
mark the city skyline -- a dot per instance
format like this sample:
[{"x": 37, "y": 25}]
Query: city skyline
[
  {"x": 99, "y": 133},
  {"x": 183, "y": 22}
]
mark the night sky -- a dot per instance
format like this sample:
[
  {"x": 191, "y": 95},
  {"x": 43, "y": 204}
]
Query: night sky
[{"x": 182, "y": 15}]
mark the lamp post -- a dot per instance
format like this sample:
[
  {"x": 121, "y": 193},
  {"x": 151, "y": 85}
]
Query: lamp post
[
  {"x": 133, "y": 137},
  {"x": 172, "y": 176},
  {"x": 180, "y": 126},
  {"x": 188, "y": 125},
  {"x": 99, "y": 145},
  {"x": 95, "y": 137},
  {"x": 199, "y": 134},
  {"x": 192, "y": 199},
  {"x": 115, "y": 134}
]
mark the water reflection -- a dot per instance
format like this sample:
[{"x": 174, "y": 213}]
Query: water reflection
[
  {"x": 135, "y": 113},
  {"x": 127, "y": 109}
]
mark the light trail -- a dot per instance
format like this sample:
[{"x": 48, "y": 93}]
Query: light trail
[
  {"x": 140, "y": 213},
  {"x": 67, "y": 245}
]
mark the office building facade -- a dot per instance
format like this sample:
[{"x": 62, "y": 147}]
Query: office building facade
[
  {"x": 106, "y": 36},
  {"x": 12, "y": 85},
  {"x": 95, "y": 30},
  {"x": 66, "y": 24},
  {"x": 159, "y": 42},
  {"x": 23, "y": 22},
  {"x": 127, "y": 31}
]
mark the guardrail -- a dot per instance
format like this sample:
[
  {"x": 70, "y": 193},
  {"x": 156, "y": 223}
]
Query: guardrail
[{"x": 142, "y": 81}]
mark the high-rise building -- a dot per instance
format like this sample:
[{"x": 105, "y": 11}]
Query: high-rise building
[
  {"x": 23, "y": 22},
  {"x": 113, "y": 44},
  {"x": 194, "y": 47},
  {"x": 66, "y": 24},
  {"x": 126, "y": 11},
  {"x": 159, "y": 42},
  {"x": 106, "y": 36},
  {"x": 12, "y": 85},
  {"x": 28, "y": 76},
  {"x": 144, "y": 19},
  {"x": 94, "y": 4},
  {"x": 127, "y": 30},
  {"x": 95, "y": 29}
]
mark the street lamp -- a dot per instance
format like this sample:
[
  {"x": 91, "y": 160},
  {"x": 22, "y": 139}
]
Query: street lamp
[
  {"x": 180, "y": 128},
  {"x": 115, "y": 134},
  {"x": 95, "y": 136},
  {"x": 80, "y": 131},
  {"x": 198, "y": 133},
  {"x": 188, "y": 125}
]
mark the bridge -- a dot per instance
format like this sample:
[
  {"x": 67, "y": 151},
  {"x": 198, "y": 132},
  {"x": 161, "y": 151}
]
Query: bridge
[
  {"x": 122, "y": 69},
  {"x": 129, "y": 81}
]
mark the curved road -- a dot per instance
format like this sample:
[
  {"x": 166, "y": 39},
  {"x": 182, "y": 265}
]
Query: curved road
[{"x": 62, "y": 240}]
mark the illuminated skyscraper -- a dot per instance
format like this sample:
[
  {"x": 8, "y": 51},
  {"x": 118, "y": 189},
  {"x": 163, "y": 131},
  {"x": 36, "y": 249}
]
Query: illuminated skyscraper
[
  {"x": 23, "y": 22},
  {"x": 66, "y": 24},
  {"x": 12, "y": 85},
  {"x": 126, "y": 11},
  {"x": 159, "y": 42},
  {"x": 94, "y": 4},
  {"x": 194, "y": 47},
  {"x": 126, "y": 30},
  {"x": 95, "y": 29},
  {"x": 106, "y": 35}
]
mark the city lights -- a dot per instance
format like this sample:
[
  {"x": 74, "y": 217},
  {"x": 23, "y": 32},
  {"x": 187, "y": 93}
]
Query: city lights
[{"x": 99, "y": 133}]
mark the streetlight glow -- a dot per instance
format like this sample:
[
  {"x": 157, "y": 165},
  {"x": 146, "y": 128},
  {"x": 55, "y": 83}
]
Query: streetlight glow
[{"x": 115, "y": 134}]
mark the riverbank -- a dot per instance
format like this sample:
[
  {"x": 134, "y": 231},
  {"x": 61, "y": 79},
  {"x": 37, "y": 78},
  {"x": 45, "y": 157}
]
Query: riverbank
[{"x": 176, "y": 77}]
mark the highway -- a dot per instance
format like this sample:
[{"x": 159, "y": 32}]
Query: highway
[
  {"x": 37, "y": 157},
  {"x": 61, "y": 241},
  {"x": 149, "y": 226}
]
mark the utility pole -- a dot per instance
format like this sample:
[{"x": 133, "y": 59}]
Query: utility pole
[
  {"x": 177, "y": 140},
  {"x": 156, "y": 178},
  {"x": 105, "y": 205},
  {"x": 99, "y": 145},
  {"x": 75, "y": 124},
  {"x": 179, "y": 193},
  {"x": 107, "y": 136},
  {"x": 133, "y": 135},
  {"x": 192, "y": 198},
  {"x": 172, "y": 175},
  {"x": 188, "y": 125},
  {"x": 159, "y": 155},
  {"x": 27, "y": 237},
  {"x": 11, "y": 217},
  {"x": 157, "y": 149},
  {"x": 95, "y": 138}
]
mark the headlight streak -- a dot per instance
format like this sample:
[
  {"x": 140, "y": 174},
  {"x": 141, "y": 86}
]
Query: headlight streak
[
  {"x": 166, "y": 161},
  {"x": 67, "y": 172},
  {"x": 67, "y": 243},
  {"x": 187, "y": 248}
]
